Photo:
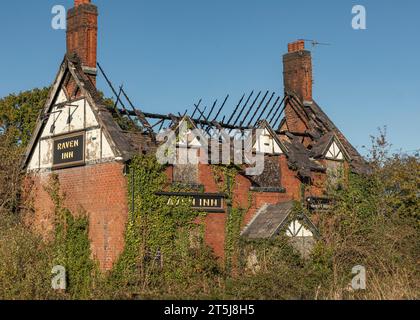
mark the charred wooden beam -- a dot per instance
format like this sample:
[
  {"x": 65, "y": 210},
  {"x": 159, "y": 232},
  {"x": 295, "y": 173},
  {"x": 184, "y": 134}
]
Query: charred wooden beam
[
  {"x": 211, "y": 110},
  {"x": 221, "y": 108},
  {"x": 249, "y": 110},
  {"x": 136, "y": 112},
  {"x": 243, "y": 108},
  {"x": 112, "y": 89},
  {"x": 258, "y": 109},
  {"x": 196, "y": 107},
  {"x": 280, "y": 109},
  {"x": 273, "y": 107},
  {"x": 278, "y": 118},
  {"x": 197, "y": 121},
  {"x": 238, "y": 105},
  {"x": 265, "y": 108}
]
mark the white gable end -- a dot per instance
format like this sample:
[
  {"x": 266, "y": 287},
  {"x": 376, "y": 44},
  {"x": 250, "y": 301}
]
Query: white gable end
[
  {"x": 186, "y": 137},
  {"x": 266, "y": 144},
  {"x": 296, "y": 229},
  {"x": 64, "y": 119},
  {"x": 335, "y": 152}
]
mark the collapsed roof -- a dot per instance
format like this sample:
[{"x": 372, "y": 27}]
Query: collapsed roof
[{"x": 127, "y": 143}]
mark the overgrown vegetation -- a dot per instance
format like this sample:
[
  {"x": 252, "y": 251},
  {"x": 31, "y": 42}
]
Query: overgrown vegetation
[
  {"x": 164, "y": 251},
  {"x": 375, "y": 222}
]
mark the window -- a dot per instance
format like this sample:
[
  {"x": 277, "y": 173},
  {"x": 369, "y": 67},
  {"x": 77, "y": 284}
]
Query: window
[
  {"x": 335, "y": 172},
  {"x": 269, "y": 180},
  {"x": 185, "y": 174}
]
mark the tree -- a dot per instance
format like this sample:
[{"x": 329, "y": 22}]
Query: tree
[
  {"x": 19, "y": 112},
  {"x": 18, "y": 115}
]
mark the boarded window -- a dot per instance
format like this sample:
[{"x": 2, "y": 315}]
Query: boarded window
[
  {"x": 335, "y": 172},
  {"x": 270, "y": 178},
  {"x": 185, "y": 174}
]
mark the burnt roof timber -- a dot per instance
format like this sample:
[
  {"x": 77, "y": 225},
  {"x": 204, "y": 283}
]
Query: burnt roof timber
[
  {"x": 273, "y": 107},
  {"x": 258, "y": 109},
  {"x": 244, "y": 106},
  {"x": 238, "y": 105},
  {"x": 265, "y": 108},
  {"x": 249, "y": 110},
  {"x": 139, "y": 114},
  {"x": 196, "y": 107},
  {"x": 279, "y": 108},
  {"x": 279, "y": 115},
  {"x": 211, "y": 123},
  {"x": 211, "y": 110},
  {"x": 221, "y": 108}
]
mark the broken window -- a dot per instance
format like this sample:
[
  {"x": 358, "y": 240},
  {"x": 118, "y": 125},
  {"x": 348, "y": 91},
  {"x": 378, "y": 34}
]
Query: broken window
[
  {"x": 335, "y": 173},
  {"x": 270, "y": 178},
  {"x": 185, "y": 174},
  {"x": 185, "y": 170}
]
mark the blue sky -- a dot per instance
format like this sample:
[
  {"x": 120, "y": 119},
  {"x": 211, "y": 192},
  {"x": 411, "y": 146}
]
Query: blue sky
[{"x": 170, "y": 53}]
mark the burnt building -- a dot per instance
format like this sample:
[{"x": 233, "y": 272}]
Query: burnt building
[{"x": 79, "y": 138}]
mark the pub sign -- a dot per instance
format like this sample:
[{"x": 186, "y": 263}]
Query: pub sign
[
  {"x": 205, "y": 202},
  {"x": 69, "y": 151}
]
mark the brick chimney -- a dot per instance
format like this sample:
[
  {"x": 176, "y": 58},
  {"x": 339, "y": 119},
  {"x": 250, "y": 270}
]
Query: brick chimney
[
  {"x": 82, "y": 34},
  {"x": 297, "y": 66}
]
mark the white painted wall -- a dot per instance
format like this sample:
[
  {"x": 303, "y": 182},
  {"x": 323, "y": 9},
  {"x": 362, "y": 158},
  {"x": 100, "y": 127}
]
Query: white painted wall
[
  {"x": 82, "y": 118},
  {"x": 266, "y": 144},
  {"x": 296, "y": 229},
  {"x": 335, "y": 152}
]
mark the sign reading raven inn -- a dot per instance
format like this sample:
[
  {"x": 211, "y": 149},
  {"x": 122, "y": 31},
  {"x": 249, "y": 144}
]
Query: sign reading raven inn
[
  {"x": 206, "y": 202},
  {"x": 69, "y": 151}
]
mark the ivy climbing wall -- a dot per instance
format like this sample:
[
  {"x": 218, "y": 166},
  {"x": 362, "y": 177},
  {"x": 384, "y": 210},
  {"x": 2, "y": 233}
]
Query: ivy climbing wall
[{"x": 98, "y": 190}]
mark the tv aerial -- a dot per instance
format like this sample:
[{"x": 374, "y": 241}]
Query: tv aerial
[{"x": 315, "y": 43}]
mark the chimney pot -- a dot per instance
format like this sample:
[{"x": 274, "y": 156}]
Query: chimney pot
[
  {"x": 79, "y": 2},
  {"x": 296, "y": 46}
]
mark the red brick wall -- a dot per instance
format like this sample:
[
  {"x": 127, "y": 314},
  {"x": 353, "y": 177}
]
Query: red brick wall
[
  {"x": 215, "y": 223},
  {"x": 99, "y": 190},
  {"x": 293, "y": 120},
  {"x": 289, "y": 180}
]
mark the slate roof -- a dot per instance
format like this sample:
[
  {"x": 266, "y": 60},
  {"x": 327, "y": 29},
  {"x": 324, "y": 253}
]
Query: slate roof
[
  {"x": 268, "y": 221},
  {"x": 272, "y": 219},
  {"x": 322, "y": 123}
]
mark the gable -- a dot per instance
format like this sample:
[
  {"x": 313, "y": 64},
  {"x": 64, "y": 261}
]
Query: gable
[
  {"x": 185, "y": 135},
  {"x": 266, "y": 140},
  {"x": 64, "y": 119},
  {"x": 84, "y": 117},
  {"x": 334, "y": 152},
  {"x": 265, "y": 143},
  {"x": 296, "y": 229}
]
